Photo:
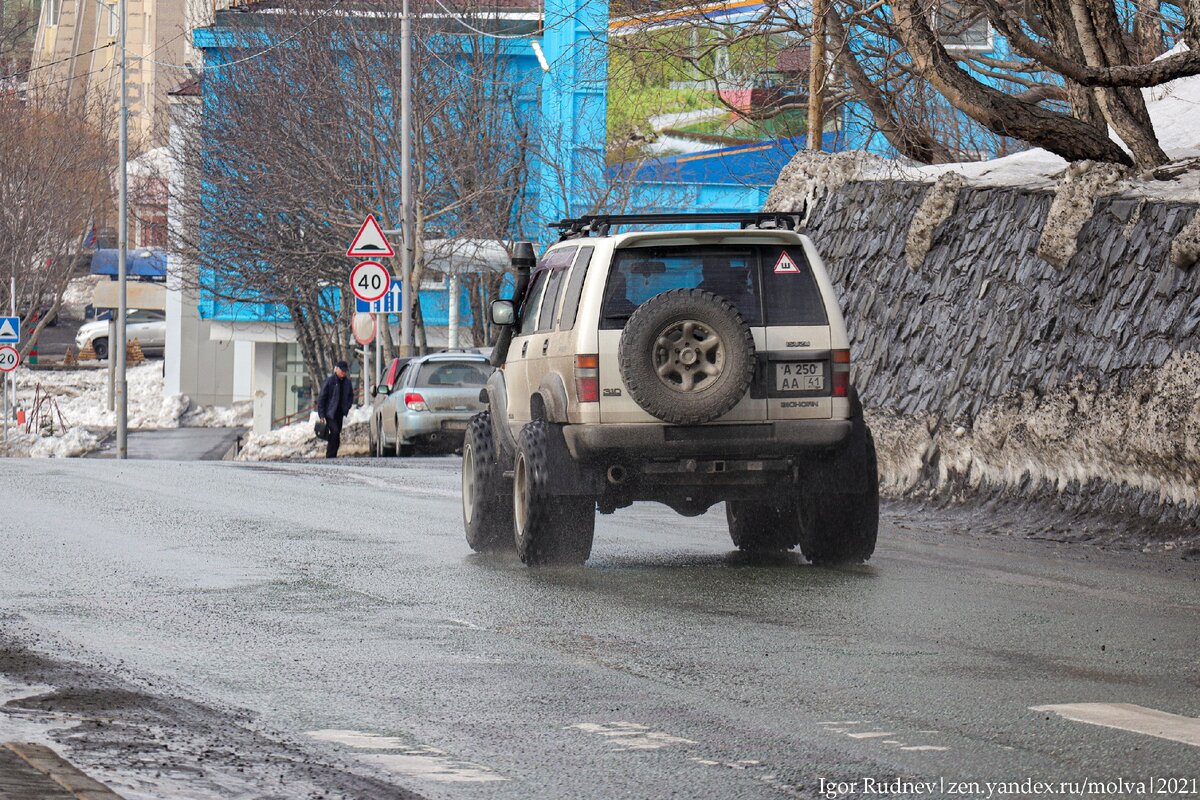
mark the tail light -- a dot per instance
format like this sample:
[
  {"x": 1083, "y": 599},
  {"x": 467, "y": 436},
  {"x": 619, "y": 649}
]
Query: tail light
[
  {"x": 414, "y": 402},
  {"x": 587, "y": 378},
  {"x": 841, "y": 373}
]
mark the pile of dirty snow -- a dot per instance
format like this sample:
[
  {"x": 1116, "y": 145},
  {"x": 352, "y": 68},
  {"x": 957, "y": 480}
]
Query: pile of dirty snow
[
  {"x": 82, "y": 397},
  {"x": 299, "y": 441},
  {"x": 72, "y": 443},
  {"x": 1145, "y": 436}
]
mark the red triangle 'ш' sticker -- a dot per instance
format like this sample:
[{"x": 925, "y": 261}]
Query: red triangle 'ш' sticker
[{"x": 786, "y": 265}]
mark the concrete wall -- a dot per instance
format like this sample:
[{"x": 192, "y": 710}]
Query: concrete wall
[{"x": 989, "y": 371}]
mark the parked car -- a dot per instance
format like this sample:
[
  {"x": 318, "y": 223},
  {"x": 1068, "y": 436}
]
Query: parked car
[
  {"x": 147, "y": 326},
  {"x": 685, "y": 367},
  {"x": 426, "y": 403}
]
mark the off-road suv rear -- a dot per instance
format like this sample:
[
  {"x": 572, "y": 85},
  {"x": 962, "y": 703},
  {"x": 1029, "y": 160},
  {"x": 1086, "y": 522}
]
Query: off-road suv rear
[{"x": 688, "y": 367}]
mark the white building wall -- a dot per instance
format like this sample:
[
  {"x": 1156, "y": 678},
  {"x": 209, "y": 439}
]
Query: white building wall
[
  {"x": 263, "y": 384},
  {"x": 194, "y": 364}
]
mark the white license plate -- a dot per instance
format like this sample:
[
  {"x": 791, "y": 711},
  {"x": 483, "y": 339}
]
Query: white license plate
[
  {"x": 454, "y": 425},
  {"x": 800, "y": 376}
]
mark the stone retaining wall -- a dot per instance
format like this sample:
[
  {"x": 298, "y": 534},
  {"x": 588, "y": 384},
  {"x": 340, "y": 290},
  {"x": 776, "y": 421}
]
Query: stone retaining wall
[{"x": 989, "y": 370}]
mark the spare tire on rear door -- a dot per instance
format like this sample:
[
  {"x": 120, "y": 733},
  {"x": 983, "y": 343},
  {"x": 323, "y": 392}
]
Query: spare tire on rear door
[{"x": 686, "y": 356}]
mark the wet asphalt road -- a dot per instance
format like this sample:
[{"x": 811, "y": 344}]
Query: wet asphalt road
[{"x": 341, "y": 608}]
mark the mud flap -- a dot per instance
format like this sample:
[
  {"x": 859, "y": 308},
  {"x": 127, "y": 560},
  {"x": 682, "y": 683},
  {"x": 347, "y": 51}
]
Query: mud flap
[{"x": 844, "y": 470}]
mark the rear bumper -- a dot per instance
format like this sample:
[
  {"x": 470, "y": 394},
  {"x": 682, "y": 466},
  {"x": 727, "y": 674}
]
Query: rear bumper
[
  {"x": 424, "y": 424},
  {"x": 751, "y": 440}
]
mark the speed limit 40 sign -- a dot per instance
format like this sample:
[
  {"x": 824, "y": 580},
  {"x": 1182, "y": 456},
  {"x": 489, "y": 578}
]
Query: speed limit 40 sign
[
  {"x": 9, "y": 358},
  {"x": 370, "y": 281}
]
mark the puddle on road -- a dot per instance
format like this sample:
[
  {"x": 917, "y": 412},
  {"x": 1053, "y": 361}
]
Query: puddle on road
[{"x": 414, "y": 761}]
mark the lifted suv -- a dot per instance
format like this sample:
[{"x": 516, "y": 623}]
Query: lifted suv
[{"x": 687, "y": 367}]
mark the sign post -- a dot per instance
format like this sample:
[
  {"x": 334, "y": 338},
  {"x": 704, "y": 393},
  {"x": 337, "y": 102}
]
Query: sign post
[
  {"x": 10, "y": 334},
  {"x": 9, "y": 359},
  {"x": 370, "y": 281}
]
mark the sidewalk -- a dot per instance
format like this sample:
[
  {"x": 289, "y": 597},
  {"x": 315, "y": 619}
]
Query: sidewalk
[
  {"x": 35, "y": 772},
  {"x": 174, "y": 444}
]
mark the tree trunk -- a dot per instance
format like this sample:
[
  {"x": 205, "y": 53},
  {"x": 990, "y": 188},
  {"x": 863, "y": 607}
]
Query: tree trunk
[
  {"x": 1003, "y": 114},
  {"x": 910, "y": 139},
  {"x": 1099, "y": 34}
]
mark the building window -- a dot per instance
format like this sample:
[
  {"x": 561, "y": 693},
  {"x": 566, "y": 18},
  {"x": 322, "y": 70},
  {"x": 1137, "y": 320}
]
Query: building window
[
  {"x": 114, "y": 20},
  {"x": 53, "y": 10},
  {"x": 293, "y": 394},
  {"x": 962, "y": 29}
]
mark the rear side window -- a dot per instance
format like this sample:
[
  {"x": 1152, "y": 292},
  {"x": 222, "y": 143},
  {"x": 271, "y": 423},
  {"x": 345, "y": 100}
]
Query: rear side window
[
  {"x": 452, "y": 374},
  {"x": 575, "y": 289},
  {"x": 546, "y": 318},
  {"x": 533, "y": 302},
  {"x": 790, "y": 291},
  {"x": 640, "y": 273}
]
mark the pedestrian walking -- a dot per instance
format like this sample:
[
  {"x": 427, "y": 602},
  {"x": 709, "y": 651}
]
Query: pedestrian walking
[{"x": 334, "y": 403}]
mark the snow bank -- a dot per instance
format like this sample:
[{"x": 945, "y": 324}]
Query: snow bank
[
  {"x": 299, "y": 441},
  {"x": 809, "y": 175},
  {"x": 936, "y": 208},
  {"x": 1174, "y": 109},
  {"x": 71, "y": 444},
  {"x": 1145, "y": 436},
  {"x": 82, "y": 398},
  {"x": 1083, "y": 184}
]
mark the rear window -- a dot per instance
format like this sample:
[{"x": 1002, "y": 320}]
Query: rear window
[
  {"x": 768, "y": 285},
  {"x": 453, "y": 374}
]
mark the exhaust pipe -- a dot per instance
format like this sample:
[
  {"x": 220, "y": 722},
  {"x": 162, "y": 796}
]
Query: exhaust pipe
[{"x": 616, "y": 475}]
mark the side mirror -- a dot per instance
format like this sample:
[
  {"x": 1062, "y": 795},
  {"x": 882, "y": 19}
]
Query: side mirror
[
  {"x": 503, "y": 312},
  {"x": 383, "y": 389}
]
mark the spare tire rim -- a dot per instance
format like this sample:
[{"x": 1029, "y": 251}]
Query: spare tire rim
[{"x": 688, "y": 356}]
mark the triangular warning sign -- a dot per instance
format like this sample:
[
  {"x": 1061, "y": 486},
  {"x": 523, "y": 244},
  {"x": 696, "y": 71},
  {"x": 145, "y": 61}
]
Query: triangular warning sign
[
  {"x": 785, "y": 264},
  {"x": 7, "y": 329},
  {"x": 370, "y": 241}
]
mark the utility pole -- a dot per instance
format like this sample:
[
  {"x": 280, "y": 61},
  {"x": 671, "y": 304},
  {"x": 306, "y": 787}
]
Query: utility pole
[
  {"x": 816, "y": 77},
  {"x": 406, "y": 210},
  {"x": 118, "y": 352}
]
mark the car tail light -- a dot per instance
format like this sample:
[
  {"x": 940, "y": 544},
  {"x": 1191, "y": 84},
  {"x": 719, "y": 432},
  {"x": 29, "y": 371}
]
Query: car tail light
[
  {"x": 414, "y": 402},
  {"x": 587, "y": 378},
  {"x": 841, "y": 373}
]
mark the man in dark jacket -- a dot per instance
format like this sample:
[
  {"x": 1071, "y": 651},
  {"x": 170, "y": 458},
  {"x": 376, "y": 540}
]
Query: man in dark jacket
[{"x": 334, "y": 403}]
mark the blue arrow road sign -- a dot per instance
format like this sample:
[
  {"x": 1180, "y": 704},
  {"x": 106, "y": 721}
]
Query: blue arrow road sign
[
  {"x": 10, "y": 330},
  {"x": 390, "y": 303}
]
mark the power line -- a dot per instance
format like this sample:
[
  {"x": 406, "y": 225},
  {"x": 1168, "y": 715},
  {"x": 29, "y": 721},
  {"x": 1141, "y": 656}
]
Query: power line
[
  {"x": 56, "y": 63},
  {"x": 292, "y": 37},
  {"x": 454, "y": 16}
]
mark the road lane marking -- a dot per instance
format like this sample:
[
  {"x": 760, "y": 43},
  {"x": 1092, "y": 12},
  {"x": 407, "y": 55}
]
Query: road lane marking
[
  {"x": 881, "y": 736},
  {"x": 414, "y": 761},
  {"x": 630, "y": 735},
  {"x": 1132, "y": 718}
]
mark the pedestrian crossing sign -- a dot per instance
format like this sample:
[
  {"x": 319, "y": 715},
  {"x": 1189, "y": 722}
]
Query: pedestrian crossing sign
[{"x": 10, "y": 330}]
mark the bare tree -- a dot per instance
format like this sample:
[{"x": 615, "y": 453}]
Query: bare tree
[
  {"x": 909, "y": 62},
  {"x": 56, "y": 168},
  {"x": 296, "y": 145}
]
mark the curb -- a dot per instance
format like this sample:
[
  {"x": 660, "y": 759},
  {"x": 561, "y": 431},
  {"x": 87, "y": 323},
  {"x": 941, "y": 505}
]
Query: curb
[{"x": 61, "y": 771}]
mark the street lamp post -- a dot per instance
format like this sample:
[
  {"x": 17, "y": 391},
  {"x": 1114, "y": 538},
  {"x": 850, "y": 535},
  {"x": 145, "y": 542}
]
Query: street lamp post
[
  {"x": 407, "y": 251},
  {"x": 117, "y": 352}
]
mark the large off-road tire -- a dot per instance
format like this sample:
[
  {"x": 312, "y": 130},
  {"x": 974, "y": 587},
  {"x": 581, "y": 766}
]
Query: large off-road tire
[
  {"x": 687, "y": 356},
  {"x": 841, "y": 528},
  {"x": 487, "y": 513},
  {"x": 550, "y": 526},
  {"x": 759, "y": 527}
]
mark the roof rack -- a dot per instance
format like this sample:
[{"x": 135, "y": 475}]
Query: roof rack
[{"x": 602, "y": 223}]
